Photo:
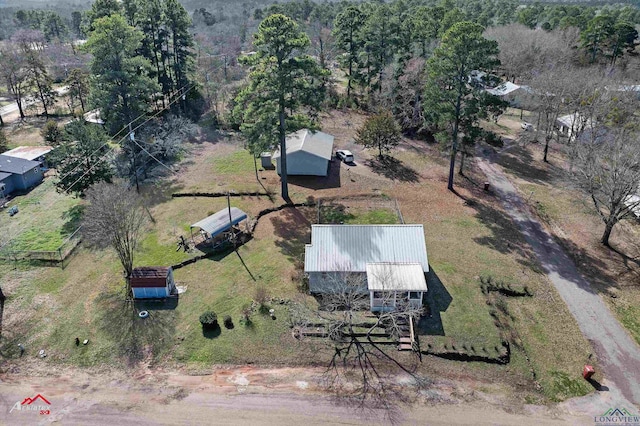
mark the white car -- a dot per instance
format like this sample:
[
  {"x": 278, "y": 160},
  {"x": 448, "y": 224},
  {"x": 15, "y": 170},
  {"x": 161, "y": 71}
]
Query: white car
[
  {"x": 344, "y": 155},
  {"x": 526, "y": 126}
]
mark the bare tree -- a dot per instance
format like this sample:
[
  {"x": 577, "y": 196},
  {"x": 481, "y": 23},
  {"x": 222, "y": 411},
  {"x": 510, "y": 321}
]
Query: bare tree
[
  {"x": 32, "y": 44},
  {"x": 525, "y": 52},
  {"x": 15, "y": 75},
  {"x": 548, "y": 96},
  {"x": 362, "y": 371},
  {"x": 115, "y": 217},
  {"x": 607, "y": 166}
]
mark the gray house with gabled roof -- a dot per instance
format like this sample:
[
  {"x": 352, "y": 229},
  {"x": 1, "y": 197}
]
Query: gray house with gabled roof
[
  {"x": 18, "y": 174},
  {"x": 308, "y": 153}
]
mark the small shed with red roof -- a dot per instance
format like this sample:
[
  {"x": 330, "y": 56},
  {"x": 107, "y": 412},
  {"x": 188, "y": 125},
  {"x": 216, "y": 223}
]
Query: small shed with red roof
[{"x": 152, "y": 282}]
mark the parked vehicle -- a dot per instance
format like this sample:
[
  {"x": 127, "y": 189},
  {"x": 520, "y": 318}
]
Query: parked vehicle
[
  {"x": 344, "y": 155},
  {"x": 13, "y": 211},
  {"x": 526, "y": 126}
]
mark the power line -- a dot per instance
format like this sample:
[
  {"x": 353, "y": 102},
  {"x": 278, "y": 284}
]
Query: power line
[{"x": 124, "y": 137}]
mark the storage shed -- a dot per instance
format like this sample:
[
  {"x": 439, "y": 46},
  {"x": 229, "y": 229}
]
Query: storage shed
[
  {"x": 152, "y": 282},
  {"x": 308, "y": 153}
]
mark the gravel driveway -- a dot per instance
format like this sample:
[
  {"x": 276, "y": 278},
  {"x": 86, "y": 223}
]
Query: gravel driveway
[{"x": 618, "y": 354}]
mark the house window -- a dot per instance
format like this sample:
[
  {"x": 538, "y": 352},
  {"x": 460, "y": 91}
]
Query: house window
[
  {"x": 378, "y": 295},
  {"x": 415, "y": 295}
]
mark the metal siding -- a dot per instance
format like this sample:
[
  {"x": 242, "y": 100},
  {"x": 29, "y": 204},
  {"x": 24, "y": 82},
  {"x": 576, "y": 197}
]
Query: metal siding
[
  {"x": 9, "y": 184},
  {"x": 304, "y": 164},
  {"x": 351, "y": 247},
  {"x": 30, "y": 178}
]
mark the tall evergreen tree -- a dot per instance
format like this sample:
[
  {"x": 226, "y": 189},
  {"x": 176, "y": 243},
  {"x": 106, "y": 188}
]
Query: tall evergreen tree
[
  {"x": 79, "y": 159},
  {"x": 120, "y": 82},
  {"x": 449, "y": 100},
  {"x": 281, "y": 83},
  {"x": 348, "y": 37},
  {"x": 178, "y": 23}
]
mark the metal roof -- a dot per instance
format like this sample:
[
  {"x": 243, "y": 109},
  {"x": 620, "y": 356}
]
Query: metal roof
[
  {"x": 395, "y": 277},
  {"x": 569, "y": 120},
  {"x": 504, "y": 89},
  {"x": 93, "y": 117},
  {"x": 3, "y": 175},
  {"x": 316, "y": 143},
  {"x": 15, "y": 165},
  {"x": 28, "y": 152},
  {"x": 351, "y": 247},
  {"x": 219, "y": 222},
  {"x": 149, "y": 276}
]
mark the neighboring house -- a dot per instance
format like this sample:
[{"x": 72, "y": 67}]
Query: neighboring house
[
  {"x": 572, "y": 125},
  {"x": 387, "y": 261},
  {"x": 17, "y": 174},
  {"x": 31, "y": 153},
  {"x": 93, "y": 117},
  {"x": 510, "y": 92},
  {"x": 308, "y": 153},
  {"x": 150, "y": 282}
]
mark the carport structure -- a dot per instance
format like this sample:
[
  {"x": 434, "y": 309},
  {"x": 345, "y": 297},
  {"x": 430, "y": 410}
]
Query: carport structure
[{"x": 214, "y": 227}]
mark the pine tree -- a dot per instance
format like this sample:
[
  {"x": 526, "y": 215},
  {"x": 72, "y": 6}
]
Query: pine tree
[
  {"x": 120, "y": 82},
  {"x": 348, "y": 37},
  {"x": 280, "y": 84},
  {"x": 449, "y": 100}
]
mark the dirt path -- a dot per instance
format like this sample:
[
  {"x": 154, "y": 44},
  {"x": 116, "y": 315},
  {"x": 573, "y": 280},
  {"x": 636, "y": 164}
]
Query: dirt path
[
  {"x": 617, "y": 353},
  {"x": 245, "y": 395}
]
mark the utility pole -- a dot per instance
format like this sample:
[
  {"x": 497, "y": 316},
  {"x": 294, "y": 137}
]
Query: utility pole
[{"x": 132, "y": 137}]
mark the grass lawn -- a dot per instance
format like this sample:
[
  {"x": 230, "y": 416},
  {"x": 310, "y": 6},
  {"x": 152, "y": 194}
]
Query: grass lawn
[
  {"x": 45, "y": 219},
  {"x": 466, "y": 237}
]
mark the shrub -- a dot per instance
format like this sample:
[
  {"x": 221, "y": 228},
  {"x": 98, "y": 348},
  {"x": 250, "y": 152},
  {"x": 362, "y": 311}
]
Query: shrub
[
  {"x": 209, "y": 320},
  {"x": 51, "y": 133}
]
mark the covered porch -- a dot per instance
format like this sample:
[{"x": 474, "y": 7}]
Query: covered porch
[{"x": 395, "y": 285}]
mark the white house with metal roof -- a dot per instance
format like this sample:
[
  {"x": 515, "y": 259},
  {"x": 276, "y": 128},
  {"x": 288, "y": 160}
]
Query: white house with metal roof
[
  {"x": 308, "y": 153},
  {"x": 390, "y": 259}
]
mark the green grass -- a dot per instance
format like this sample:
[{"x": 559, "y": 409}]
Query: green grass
[
  {"x": 358, "y": 216},
  {"x": 377, "y": 216},
  {"x": 38, "y": 240},
  {"x": 239, "y": 162},
  {"x": 44, "y": 221},
  {"x": 630, "y": 318}
]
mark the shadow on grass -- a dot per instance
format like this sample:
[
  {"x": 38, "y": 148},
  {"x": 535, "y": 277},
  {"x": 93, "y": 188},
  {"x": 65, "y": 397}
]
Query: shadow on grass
[
  {"x": 133, "y": 338},
  {"x": 294, "y": 231},
  {"x": 73, "y": 218},
  {"x": 597, "y": 385},
  {"x": 211, "y": 333},
  {"x": 393, "y": 169},
  {"x": 521, "y": 163},
  {"x": 437, "y": 300}
]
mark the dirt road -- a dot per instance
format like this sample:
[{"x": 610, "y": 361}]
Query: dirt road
[
  {"x": 243, "y": 395},
  {"x": 618, "y": 354}
]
